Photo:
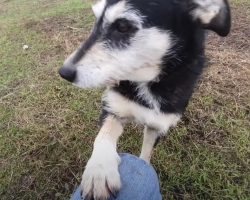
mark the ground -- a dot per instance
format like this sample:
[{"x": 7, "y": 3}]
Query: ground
[{"x": 47, "y": 126}]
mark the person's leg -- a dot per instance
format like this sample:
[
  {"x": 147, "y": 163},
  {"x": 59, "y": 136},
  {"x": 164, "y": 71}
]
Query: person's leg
[{"x": 139, "y": 181}]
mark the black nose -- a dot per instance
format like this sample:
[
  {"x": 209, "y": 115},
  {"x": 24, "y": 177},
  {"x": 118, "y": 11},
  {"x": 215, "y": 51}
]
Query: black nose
[{"x": 68, "y": 73}]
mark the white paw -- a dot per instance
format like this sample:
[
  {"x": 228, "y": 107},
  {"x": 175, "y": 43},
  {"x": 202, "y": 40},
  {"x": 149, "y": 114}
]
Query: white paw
[{"x": 101, "y": 177}]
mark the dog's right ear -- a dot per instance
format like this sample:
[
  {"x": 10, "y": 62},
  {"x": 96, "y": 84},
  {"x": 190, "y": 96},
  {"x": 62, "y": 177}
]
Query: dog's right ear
[{"x": 213, "y": 15}]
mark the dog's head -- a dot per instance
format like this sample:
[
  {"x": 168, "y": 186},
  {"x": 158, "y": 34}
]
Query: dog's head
[{"x": 131, "y": 38}]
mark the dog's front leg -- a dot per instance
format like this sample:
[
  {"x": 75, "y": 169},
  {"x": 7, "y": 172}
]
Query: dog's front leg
[
  {"x": 101, "y": 176},
  {"x": 150, "y": 138}
]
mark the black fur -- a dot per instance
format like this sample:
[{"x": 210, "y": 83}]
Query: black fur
[
  {"x": 181, "y": 71},
  {"x": 95, "y": 35},
  {"x": 180, "y": 68},
  {"x": 111, "y": 36},
  {"x": 116, "y": 39}
]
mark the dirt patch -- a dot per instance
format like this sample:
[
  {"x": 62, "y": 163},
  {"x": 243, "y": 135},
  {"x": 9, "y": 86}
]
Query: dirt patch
[
  {"x": 64, "y": 31},
  {"x": 229, "y": 66},
  {"x": 225, "y": 83},
  {"x": 3, "y": 8},
  {"x": 240, "y": 32}
]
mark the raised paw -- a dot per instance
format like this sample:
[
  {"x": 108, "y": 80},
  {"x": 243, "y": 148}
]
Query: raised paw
[{"x": 101, "y": 178}]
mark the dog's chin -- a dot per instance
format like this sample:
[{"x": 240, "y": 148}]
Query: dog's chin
[{"x": 92, "y": 85}]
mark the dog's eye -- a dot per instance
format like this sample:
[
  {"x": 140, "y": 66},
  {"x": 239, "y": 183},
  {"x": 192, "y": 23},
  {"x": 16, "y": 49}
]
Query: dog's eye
[{"x": 123, "y": 26}]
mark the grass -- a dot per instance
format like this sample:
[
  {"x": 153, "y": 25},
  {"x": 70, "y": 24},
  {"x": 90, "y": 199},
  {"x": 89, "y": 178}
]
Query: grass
[{"x": 47, "y": 127}]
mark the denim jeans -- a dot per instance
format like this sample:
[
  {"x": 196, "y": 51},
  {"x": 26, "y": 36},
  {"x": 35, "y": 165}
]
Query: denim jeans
[{"x": 139, "y": 181}]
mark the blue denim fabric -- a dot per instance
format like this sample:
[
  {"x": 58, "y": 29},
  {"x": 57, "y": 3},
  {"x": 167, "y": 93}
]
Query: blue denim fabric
[{"x": 139, "y": 181}]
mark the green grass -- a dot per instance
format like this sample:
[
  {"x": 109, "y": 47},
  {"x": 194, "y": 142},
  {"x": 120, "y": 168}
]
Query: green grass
[{"x": 47, "y": 127}]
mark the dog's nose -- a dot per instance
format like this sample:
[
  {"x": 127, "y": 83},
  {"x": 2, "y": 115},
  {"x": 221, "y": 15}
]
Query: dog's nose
[{"x": 68, "y": 73}]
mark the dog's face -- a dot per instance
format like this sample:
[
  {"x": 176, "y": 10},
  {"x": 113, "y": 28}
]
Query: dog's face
[{"x": 131, "y": 38}]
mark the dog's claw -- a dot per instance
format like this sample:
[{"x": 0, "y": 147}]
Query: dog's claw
[
  {"x": 112, "y": 191},
  {"x": 88, "y": 196},
  {"x": 107, "y": 192}
]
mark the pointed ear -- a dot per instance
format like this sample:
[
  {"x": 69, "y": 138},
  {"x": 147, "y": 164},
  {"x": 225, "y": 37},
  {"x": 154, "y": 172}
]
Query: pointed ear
[{"x": 213, "y": 15}]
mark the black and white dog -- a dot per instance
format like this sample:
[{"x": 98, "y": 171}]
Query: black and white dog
[{"x": 149, "y": 54}]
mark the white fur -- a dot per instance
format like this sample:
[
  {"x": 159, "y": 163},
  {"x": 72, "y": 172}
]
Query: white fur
[
  {"x": 207, "y": 10},
  {"x": 124, "y": 108},
  {"x": 101, "y": 65},
  {"x": 139, "y": 62},
  {"x": 98, "y": 8},
  {"x": 144, "y": 74},
  {"x": 115, "y": 10},
  {"x": 146, "y": 95},
  {"x": 149, "y": 139},
  {"x": 122, "y": 10},
  {"x": 101, "y": 169}
]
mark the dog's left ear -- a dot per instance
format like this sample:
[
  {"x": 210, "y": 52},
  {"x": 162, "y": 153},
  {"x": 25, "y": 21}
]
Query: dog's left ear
[{"x": 213, "y": 15}]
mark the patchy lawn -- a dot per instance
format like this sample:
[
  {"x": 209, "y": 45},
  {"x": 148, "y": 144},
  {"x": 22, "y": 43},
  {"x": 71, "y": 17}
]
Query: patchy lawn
[{"x": 47, "y": 127}]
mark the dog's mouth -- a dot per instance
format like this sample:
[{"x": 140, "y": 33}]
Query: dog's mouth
[
  {"x": 112, "y": 83},
  {"x": 88, "y": 79},
  {"x": 108, "y": 83}
]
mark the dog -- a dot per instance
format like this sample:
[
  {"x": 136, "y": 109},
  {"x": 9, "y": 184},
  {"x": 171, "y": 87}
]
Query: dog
[{"x": 149, "y": 55}]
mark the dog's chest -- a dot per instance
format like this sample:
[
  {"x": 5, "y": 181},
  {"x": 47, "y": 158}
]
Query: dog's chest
[
  {"x": 145, "y": 95},
  {"x": 127, "y": 109}
]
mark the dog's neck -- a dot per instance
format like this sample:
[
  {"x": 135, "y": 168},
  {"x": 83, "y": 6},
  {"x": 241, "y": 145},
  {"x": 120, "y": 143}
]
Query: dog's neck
[{"x": 172, "y": 89}]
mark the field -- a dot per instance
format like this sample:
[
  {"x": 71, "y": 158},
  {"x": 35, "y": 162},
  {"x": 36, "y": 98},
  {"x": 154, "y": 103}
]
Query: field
[{"x": 47, "y": 126}]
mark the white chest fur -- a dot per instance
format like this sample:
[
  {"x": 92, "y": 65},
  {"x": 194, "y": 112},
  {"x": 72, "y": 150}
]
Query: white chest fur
[{"x": 125, "y": 108}]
